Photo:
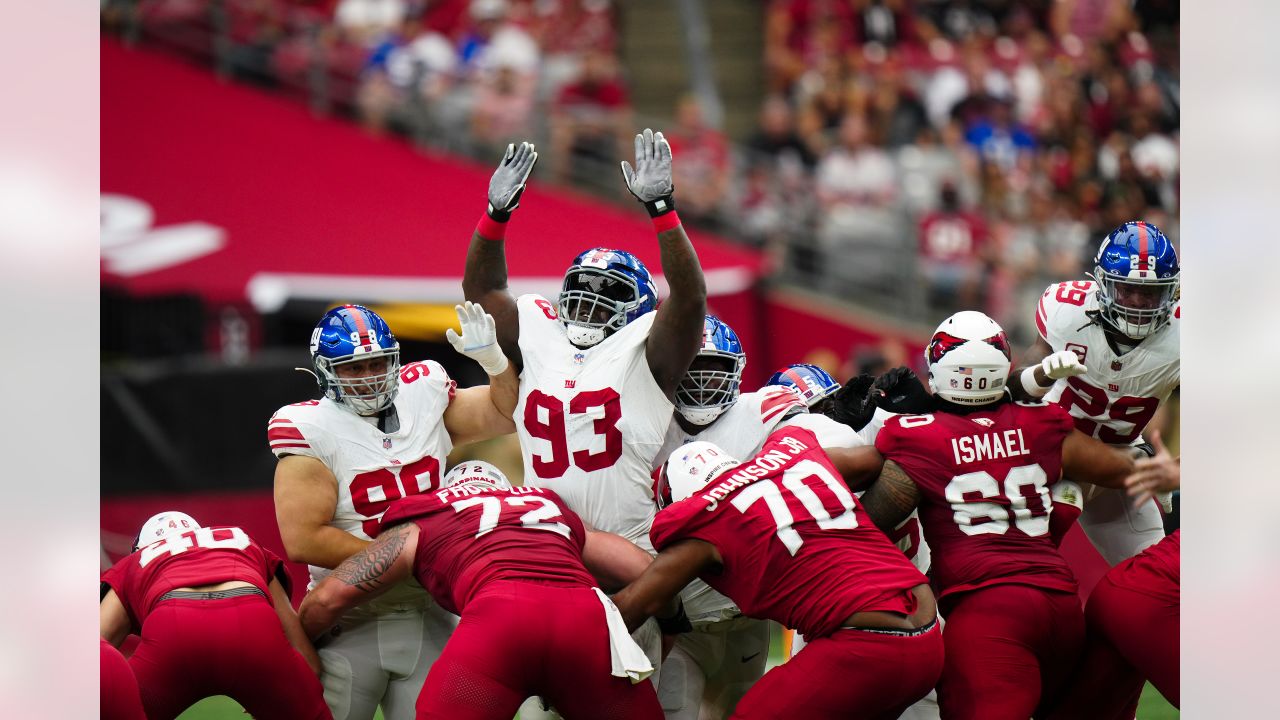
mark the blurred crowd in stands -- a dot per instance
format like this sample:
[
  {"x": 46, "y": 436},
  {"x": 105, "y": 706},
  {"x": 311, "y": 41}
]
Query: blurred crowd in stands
[
  {"x": 1004, "y": 137},
  {"x": 912, "y": 155}
]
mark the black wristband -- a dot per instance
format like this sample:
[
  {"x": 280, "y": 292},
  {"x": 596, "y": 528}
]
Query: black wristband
[
  {"x": 497, "y": 215},
  {"x": 679, "y": 623},
  {"x": 661, "y": 206}
]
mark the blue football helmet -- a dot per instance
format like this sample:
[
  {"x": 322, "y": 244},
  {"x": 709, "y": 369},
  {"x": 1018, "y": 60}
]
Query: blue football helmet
[
  {"x": 603, "y": 291},
  {"x": 352, "y": 333},
  {"x": 714, "y": 379},
  {"x": 1137, "y": 274},
  {"x": 812, "y": 382}
]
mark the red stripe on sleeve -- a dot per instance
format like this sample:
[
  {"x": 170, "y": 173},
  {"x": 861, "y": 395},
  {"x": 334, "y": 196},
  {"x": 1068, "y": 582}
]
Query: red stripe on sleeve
[
  {"x": 778, "y": 403},
  {"x": 1040, "y": 321},
  {"x": 284, "y": 432}
]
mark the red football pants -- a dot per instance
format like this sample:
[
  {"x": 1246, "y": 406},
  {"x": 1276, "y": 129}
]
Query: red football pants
[
  {"x": 1143, "y": 628},
  {"x": 1132, "y": 635},
  {"x": 519, "y": 639},
  {"x": 193, "y": 649},
  {"x": 118, "y": 692},
  {"x": 1010, "y": 648},
  {"x": 849, "y": 674}
]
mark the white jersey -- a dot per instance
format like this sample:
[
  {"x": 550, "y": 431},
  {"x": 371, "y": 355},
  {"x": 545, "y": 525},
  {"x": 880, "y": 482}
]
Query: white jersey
[
  {"x": 591, "y": 420},
  {"x": 1119, "y": 394},
  {"x": 373, "y": 468},
  {"x": 742, "y": 429}
]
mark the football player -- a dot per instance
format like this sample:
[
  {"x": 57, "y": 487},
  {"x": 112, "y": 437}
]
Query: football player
[
  {"x": 1133, "y": 616},
  {"x": 379, "y": 433},
  {"x": 599, "y": 368},
  {"x": 510, "y": 561},
  {"x": 212, "y": 608},
  {"x": 898, "y": 389},
  {"x": 784, "y": 538},
  {"x": 726, "y": 653},
  {"x": 1111, "y": 359},
  {"x": 981, "y": 470}
]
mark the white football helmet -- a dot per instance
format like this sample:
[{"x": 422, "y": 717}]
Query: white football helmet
[
  {"x": 969, "y": 360},
  {"x": 476, "y": 471},
  {"x": 688, "y": 469},
  {"x": 162, "y": 525}
]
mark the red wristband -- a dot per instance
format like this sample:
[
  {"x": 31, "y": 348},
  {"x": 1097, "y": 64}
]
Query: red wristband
[
  {"x": 665, "y": 222},
  {"x": 491, "y": 229}
]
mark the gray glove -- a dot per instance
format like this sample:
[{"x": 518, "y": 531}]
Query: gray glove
[
  {"x": 650, "y": 180},
  {"x": 507, "y": 183}
]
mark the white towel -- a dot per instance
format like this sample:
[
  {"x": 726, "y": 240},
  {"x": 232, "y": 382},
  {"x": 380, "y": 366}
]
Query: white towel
[{"x": 625, "y": 656}]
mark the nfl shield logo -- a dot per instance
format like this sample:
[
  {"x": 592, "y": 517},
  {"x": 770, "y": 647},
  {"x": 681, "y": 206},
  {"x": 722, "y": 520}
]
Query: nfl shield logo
[
  {"x": 386, "y": 443},
  {"x": 578, "y": 358},
  {"x": 955, "y": 383},
  {"x": 1116, "y": 365}
]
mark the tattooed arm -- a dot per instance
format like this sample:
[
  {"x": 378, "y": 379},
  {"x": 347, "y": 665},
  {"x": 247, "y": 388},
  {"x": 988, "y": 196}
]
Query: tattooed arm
[
  {"x": 892, "y": 498},
  {"x": 361, "y": 577}
]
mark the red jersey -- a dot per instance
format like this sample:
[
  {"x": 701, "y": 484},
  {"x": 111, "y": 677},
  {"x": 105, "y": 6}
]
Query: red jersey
[
  {"x": 951, "y": 236},
  {"x": 1154, "y": 571},
  {"x": 471, "y": 535},
  {"x": 984, "y": 482},
  {"x": 203, "y": 556},
  {"x": 797, "y": 546}
]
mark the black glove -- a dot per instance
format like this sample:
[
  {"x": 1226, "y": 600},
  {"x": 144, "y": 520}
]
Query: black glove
[
  {"x": 852, "y": 404},
  {"x": 900, "y": 391}
]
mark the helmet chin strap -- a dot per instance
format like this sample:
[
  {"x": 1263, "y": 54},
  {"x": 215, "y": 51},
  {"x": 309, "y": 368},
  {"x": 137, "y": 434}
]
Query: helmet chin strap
[{"x": 310, "y": 372}]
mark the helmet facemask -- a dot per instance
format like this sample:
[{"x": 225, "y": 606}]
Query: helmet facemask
[
  {"x": 367, "y": 394},
  {"x": 596, "y": 303},
  {"x": 711, "y": 385},
  {"x": 1136, "y": 307}
]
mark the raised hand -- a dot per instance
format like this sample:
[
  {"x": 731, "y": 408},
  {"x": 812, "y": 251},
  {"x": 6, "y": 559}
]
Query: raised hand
[
  {"x": 1061, "y": 365},
  {"x": 507, "y": 183},
  {"x": 650, "y": 179},
  {"x": 479, "y": 339}
]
